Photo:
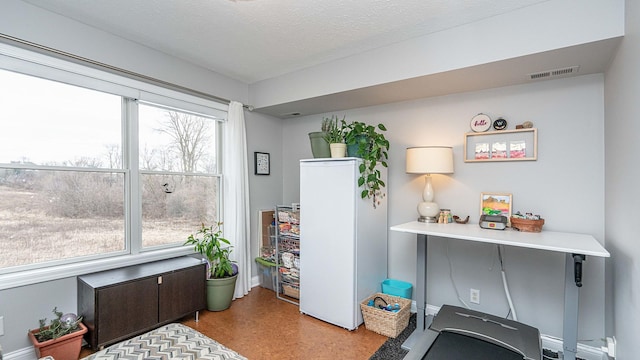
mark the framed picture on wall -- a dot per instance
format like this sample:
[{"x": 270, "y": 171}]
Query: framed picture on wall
[
  {"x": 495, "y": 204},
  {"x": 261, "y": 162}
]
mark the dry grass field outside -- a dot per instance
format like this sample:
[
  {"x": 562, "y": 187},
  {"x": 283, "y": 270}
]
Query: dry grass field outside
[{"x": 29, "y": 235}]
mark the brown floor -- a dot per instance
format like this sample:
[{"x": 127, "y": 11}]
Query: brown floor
[{"x": 259, "y": 326}]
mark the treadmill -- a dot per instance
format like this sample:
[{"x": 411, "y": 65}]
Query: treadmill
[{"x": 461, "y": 334}]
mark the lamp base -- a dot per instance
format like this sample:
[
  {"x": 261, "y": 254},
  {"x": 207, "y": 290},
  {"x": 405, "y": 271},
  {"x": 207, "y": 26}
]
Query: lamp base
[{"x": 428, "y": 211}]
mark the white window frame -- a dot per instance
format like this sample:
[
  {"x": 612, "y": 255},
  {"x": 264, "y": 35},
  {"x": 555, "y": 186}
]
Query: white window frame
[{"x": 40, "y": 65}]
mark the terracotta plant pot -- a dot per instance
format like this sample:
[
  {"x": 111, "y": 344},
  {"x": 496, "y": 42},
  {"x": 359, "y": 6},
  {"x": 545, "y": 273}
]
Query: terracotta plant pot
[{"x": 64, "y": 347}]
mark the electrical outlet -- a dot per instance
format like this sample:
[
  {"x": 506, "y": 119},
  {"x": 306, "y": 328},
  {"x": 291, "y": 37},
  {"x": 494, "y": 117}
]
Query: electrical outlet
[{"x": 474, "y": 296}]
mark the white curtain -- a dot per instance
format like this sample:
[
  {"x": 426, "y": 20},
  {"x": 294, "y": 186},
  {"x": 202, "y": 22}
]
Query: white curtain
[{"x": 236, "y": 195}]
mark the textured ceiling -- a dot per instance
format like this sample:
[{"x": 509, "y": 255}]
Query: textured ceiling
[{"x": 253, "y": 40}]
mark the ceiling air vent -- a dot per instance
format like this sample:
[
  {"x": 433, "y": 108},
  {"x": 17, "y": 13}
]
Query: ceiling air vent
[
  {"x": 554, "y": 73},
  {"x": 290, "y": 115}
]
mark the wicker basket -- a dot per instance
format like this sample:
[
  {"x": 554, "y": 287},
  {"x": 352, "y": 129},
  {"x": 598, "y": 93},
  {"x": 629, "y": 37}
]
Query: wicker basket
[
  {"x": 527, "y": 225},
  {"x": 384, "y": 322}
]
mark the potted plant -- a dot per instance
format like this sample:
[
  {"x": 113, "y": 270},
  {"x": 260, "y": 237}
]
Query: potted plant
[
  {"x": 61, "y": 339},
  {"x": 335, "y": 136},
  {"x": 222, "y": 271},
  {"x": 319, "y": 146},
  {"x": 369, "y": 143}
]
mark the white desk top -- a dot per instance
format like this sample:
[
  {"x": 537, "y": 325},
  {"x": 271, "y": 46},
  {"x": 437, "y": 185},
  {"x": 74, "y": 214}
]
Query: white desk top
[{"x": 546, "y": 240}]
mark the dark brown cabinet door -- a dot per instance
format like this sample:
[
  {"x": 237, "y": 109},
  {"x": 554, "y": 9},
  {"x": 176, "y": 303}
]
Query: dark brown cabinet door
[
  {"x": 126, "y": 308},
  {"x": 181, "y": 293},
  {"x": 120, "y": 303}
]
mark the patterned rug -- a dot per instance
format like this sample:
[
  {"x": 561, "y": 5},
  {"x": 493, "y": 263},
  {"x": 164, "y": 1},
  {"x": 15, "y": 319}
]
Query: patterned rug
[{"x": 173, "y": 341}]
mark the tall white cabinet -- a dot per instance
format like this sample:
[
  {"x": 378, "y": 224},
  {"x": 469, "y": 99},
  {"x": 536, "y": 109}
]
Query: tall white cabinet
[{"x": 343, "y": 241}]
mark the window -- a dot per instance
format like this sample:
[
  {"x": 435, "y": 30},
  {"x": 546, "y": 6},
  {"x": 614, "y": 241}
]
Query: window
[
  {"x": 178, "y": 164},
  {"x": 96, "y": 166}
]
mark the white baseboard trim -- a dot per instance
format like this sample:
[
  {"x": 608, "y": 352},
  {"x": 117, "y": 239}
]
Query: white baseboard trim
[
  {"x": 584, "y": 351},
  {"x": 27, "y": 353},
  {"x": 430, "y": 310}
]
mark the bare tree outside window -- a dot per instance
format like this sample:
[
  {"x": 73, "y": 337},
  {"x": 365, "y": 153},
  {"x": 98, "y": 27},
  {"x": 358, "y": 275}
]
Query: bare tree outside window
[
  {"x": 179, "y": 184},
  {"x": 63, "y": 173},
  {"x": 189, "y": 135}
]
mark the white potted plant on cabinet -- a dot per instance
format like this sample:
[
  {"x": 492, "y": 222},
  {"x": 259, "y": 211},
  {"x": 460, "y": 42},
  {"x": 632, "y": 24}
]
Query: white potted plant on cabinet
[{"x": 335, "y": 136}]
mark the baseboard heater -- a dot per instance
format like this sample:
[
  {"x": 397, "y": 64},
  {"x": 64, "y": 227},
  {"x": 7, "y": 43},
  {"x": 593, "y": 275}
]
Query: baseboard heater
[{"x": 461, "y": 334}]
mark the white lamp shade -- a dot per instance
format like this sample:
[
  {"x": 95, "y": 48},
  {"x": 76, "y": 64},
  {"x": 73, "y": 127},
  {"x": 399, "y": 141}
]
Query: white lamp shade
[{"x": 430, "y": 160}]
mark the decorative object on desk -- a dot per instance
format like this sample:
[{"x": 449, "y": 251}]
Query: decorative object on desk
[
  {"x": 429, "y": 160},
  {"x": 261, "y": 163},
  {"x": 335, "y": 137},
  {"x": 320, "y": 146},
  {"x": 500, "y": 124},
  {"x": 527, "y": 222},
  {"x": 61, "y": 339},
  {"x": 459, "y": 220},
  {"x": 368, "y": 143},
  {"x": 221, "y": 281},
  {"x": 495, "y": 204},
  {"x": 525, "y": 125},
  {"x": 445, "y": 217},
  {"x": 480, "y": 123},
  {"x": 493, "y": 222}
]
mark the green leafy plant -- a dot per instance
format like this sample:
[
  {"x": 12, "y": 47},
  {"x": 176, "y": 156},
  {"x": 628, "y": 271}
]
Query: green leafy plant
[
  {"x": 208, "y": 241},
  {"x": 372, "y": 147},
  {"x": 336, "y": 130},
  {"x": 326, "y": 124},
  {"x": 57, "y": 327}
]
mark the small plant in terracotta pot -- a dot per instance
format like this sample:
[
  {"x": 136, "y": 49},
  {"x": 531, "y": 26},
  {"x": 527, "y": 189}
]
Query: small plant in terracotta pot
[{"x": 61, "y": 339}]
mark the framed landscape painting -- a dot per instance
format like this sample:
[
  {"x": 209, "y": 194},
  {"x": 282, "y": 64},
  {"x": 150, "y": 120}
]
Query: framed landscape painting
[{"x": 495, "y": 204}]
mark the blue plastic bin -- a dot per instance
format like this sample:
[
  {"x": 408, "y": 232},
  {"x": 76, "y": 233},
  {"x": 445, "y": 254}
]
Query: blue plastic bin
[{"x": 397, "y": 288}]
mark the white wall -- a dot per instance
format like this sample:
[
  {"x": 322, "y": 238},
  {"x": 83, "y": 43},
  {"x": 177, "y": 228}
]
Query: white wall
[
  {"x": 264, "y": 134},
  {"x": 565, "y": 185},
  {"x": 22, "y": 307},
  {"x": 622, "y": 86}
]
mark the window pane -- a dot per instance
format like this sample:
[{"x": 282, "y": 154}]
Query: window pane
[
  {"x": 176, "y": 141},
  {"x": 174, "y": 206},
  {"x": 44, "y": 122},
  {"x": 54, "y": 215}
]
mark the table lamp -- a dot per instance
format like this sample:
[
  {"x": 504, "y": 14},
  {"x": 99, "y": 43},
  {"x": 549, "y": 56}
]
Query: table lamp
[{"x": 429, "y": 160}]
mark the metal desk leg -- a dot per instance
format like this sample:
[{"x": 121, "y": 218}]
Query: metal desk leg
[
  {"x": 421, "y": 291},
  {"x": 572, "y": 283}
]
